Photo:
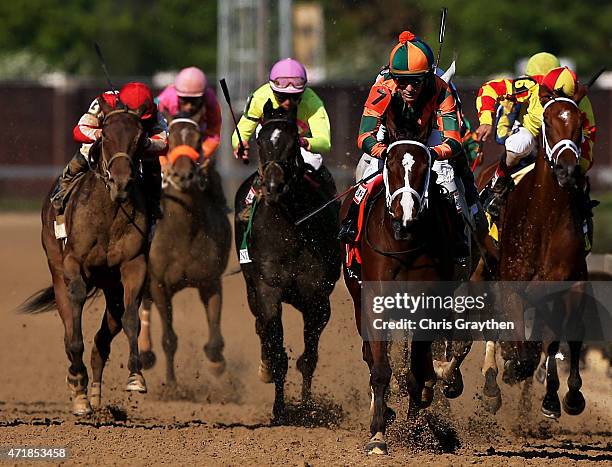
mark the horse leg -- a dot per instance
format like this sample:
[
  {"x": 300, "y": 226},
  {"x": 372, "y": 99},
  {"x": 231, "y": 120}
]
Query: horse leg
[
  {"x": 132, "y": 277},
  {"x": 573, "y": 402},
  {"x": 449, "y": 371},
  {"x": 551, "y": 407},
  {"x": 316, "y": 317},
  {"x": 77, "y": 373},
  {"x": 211, "y": 296},
  {"x": 109, "y": 328},
  {"x": 265, "y": 303},
  {"x": 145, "y": 346},
  {"x": 421, "y": 363},
  {"x": 491, "y": 392},
  {"x": 163, "y": 302},
  {"x": 380, "y": 376}
]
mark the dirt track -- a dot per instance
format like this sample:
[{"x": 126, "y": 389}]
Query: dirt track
[{"x": 226, "y": 421}]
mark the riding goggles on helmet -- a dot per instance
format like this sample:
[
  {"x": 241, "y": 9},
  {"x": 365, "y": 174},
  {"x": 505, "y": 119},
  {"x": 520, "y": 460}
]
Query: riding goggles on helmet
[{"x": 293, "y": 81}]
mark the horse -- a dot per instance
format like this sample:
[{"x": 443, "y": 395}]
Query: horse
[
  {"x": 542, "y": 240},
  {"x": 403, "y": 238},
  {"x": 105, "y": 249},
  {"x": 190, "y": 247},
  {"x": 297, "y": 265}
]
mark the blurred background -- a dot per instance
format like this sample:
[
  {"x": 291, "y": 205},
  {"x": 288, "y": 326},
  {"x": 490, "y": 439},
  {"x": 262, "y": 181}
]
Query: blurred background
[{"x": 49, "y": 72}]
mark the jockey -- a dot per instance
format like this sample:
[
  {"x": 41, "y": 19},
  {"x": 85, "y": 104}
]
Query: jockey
[
  {"x": 520, "y": 143},
  {"x": 286, "y": 86},
  {"x": 191, "y": 97},
  {"x": 89, "y": 130},
  {"x": 408, "y": 90}
]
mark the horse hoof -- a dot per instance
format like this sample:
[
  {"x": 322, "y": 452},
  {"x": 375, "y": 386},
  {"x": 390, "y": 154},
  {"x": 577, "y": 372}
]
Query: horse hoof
[
  {"x": 574, "y": 403},
  {"x": 264, "y": 373},
  {"x": 136, "y": 382},
  {"x": 217, "y": 368},
  {"x": 95, "y": 396},
  {"x": 147, "y": 359},
  {"x": 454, "y": 387},
  {"x": 427, "y": 395},
  {"x": 377, "y": 445},
  {"x": 551, "y": 407},
  {"x": 80, "y": 405}
]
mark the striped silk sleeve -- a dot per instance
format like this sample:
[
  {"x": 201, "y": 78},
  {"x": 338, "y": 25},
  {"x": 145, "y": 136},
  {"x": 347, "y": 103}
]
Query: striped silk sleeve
[{"x": 488, "y": 96}]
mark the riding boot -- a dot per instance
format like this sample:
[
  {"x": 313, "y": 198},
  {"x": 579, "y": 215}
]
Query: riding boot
[
  {"x": 77, "y": 166},
  {"x": 349, "y": 228},
  {"x": 254, "y": 192},
  {"x": 501, "y": 185},
  {"x": 587, "y": 215},
  {"x": 152, "y": 179}
]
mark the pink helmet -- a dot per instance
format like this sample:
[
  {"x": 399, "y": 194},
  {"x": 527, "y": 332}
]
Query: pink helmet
[
  {"x": 288, "y": 76},
  {"x": 190, "y": 82}
]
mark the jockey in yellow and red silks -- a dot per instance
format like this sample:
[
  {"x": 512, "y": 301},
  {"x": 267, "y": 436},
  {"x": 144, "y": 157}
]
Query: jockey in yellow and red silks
[
  {"x": 409, "y": 91},
  {"x": 519, "y": 113}
]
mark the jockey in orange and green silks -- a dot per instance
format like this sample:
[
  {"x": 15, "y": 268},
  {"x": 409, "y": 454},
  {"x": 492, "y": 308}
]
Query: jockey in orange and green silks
[{"x": 408, "y": 92}]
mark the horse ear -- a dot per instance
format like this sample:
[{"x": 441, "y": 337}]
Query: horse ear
[
  {"x": 105, "y": 107},
  {"x": 545, "y": 94},
  {"x": 268, "y": 107},
  {"x": 580, "y": 93}
]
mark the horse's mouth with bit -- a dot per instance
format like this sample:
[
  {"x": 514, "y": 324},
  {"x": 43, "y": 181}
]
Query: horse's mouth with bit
[{"x": 401, "y": 231}]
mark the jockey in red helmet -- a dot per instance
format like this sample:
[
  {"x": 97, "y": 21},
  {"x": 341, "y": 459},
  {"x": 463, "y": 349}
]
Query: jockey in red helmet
[{"x": 88, "y": 130}]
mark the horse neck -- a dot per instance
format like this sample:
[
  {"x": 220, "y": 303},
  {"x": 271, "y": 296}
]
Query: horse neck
[{"x": 559, "y": 202}]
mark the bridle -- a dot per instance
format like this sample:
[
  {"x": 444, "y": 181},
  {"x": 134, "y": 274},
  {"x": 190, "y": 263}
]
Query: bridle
[
  {"x": 420, "y": 197},
  {"x": 105, "y": 165},
  {"x": 169, "y": 180},
  {"x": 264, "y": 166},
  {"x": 561, "y": 145}
]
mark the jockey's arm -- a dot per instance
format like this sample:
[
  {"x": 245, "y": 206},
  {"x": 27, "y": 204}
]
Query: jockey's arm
[
  {"x": 318, "y": 123},
  {"x": 157, "y": 135},
  {"x": 588, "y": 132},
  {"x": 253, "y": 112},
  {"x": 448, "y": 125},
  {"x": 373, "y": 111},
  {"x": 88, "y": 129},
  {"x": 488, "y": 96},
  {"x": 213, "y": 124}
]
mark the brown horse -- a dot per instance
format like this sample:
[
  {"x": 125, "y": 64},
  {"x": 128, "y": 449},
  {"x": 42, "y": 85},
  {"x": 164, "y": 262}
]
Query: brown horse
[
  {"x": 105, "y": 249},
  {"x": 402, "y": 239},
  {"x": 190, "y": 248},
  {"x": 542, "y": 240}
]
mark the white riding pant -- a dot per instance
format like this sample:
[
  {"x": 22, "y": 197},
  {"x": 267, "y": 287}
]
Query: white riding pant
[{"x": 518, "y": 145}]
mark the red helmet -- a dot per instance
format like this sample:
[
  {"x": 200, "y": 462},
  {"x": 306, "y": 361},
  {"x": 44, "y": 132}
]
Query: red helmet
[{"x": 134, "y": 95}]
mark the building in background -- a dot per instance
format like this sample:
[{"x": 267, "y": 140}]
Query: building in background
[{"x": 309, "y": 39}]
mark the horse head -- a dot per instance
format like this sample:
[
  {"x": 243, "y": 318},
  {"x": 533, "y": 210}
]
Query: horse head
[
  {"x": 562, "y": 134},
  {"x": 122, "y": 136},
  {"x": 280, "y": 162},
  {"x": 184, "y": 141},
  {"x": 406, "y": 176}
]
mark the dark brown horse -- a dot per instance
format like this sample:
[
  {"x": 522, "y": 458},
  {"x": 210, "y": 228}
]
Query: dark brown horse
[
  {"x": 105, "y": 249},
  {"x": 402, "y": 239},
  {"x": 542, "y": 240},
  {"x": 190, "y": 247},
  {"x": 298, "y": 265}
]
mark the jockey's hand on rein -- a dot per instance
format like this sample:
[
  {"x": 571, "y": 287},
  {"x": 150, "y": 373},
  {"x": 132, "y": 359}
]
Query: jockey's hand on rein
[
  {"x": 483, "y": 132},
  {"x": 239, "y": 153}
]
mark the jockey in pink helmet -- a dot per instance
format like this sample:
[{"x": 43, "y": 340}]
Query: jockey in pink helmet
[
  {"x": 286, "y": 88},
  {"x": 191, "y": 97}
]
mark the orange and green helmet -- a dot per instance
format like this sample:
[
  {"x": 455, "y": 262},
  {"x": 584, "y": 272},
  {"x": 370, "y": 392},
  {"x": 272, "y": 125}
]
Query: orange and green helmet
[{"x": 410, "y": 57}]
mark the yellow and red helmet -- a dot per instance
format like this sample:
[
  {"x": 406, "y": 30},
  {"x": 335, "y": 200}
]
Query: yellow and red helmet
[
  {"x": 410, "y": 57},
  {"x": 561, "y": 81}
]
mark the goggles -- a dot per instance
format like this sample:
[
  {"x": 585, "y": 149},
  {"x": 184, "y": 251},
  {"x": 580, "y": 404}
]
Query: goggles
[
  {"x": 285, "y": 82},
  {"x": 282, "y": 97},
  {"x": 410, "y": 80}
]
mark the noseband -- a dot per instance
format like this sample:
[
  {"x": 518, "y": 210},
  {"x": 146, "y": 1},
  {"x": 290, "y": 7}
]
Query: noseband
[
  {"x": 562, "y": 145},
  {"x": 420, "y": 197}
]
